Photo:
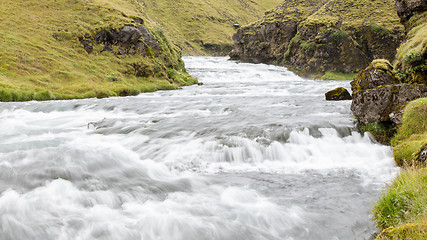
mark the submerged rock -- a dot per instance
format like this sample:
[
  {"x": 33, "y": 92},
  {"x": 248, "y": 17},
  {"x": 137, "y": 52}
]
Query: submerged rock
[{"x": 338, "y": 94}]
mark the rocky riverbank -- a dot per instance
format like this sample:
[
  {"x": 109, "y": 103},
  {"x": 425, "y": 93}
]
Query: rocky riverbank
[
  {"x": 315, "y": 38},
  {"x": 389, "y": 100}
]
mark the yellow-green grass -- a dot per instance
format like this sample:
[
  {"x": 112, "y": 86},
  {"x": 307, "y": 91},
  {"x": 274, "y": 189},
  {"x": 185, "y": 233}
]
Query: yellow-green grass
[
  {"x": 401, "y": 212},
  {"x": 412, "y": 135},
  {"x": 338, "y": 76},
  {"x": 40, "y": 51},
  {"x": 410, "y": 61},
  {"x": 191, "y": 24},
  {"x": 413, "y": 231}
]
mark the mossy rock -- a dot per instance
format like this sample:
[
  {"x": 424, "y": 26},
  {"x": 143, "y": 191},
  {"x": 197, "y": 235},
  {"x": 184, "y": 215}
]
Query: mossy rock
[
  {"x": 338, "y": 94},
  {"x": 379, "y": 73},
  {"x": 405, "y": 231}
]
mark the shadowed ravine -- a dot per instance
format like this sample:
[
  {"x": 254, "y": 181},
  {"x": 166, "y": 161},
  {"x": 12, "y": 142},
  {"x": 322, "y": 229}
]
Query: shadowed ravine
[{"x": 254, "y": 153}]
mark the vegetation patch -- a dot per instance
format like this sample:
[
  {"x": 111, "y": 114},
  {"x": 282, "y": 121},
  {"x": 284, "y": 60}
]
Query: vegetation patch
[
  {"x": 64, "y": 49},
  {"x": 402, "y": 209},
  {"x": 338, "y": 76},
  {"x": 412, "y": 135},
  {"x": 382, "y": 132}
]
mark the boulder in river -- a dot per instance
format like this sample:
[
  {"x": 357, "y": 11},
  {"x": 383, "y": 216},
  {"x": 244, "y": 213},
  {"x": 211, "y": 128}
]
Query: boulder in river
[{"x": 338, "y": 94}]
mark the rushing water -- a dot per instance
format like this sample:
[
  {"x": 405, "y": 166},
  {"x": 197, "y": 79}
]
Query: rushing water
[{"x": 254, "y": 153}]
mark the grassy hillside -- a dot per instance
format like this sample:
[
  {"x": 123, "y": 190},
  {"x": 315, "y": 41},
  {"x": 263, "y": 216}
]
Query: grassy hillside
[
  {"x": 204, "y": 26},
  {"x": 42, "y": 55}
]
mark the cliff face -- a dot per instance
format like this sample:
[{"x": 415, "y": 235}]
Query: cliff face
[
  {"x": 411, "y": 57},
  {"x": 316, "y": 36},
  {"x": 381, "y": 90},
  {"x": 83, "y": 48}
]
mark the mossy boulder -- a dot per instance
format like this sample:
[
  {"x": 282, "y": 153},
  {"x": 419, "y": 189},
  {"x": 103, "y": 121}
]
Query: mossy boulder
[
  {"x": 376, "y": 105},
  {"x": 314, "y": 37},
  {"x": 380, "y": 72},
  {"x": 338, "y": 94}
]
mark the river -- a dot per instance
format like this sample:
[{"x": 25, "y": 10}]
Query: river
[{"x": 254, "y": 153}]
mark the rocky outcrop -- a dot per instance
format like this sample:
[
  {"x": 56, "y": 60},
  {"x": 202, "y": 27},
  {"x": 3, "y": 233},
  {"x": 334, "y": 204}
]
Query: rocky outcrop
[
  {"x": 406, "y": 9},
  {"x": 378, "y": 95},
  {"x": 378, "y": 73},
  {"x": 411, "y": 57},
  {"x": 338, "y": 94},
  {"x": 376, "y": 105},
  {"x": 315, "y": 36},
  {"x": 381, "y": 90},
  {"x": 128, "y": 40}
]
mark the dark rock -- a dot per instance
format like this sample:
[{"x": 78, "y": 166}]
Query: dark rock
[
  {"x": 378, "y": 73},
  {"x": 376, "y": 105},
  {"x": 421, "y": 156},
  {"x": 408, "y": 8},
  {"x": 87, "y": 44},
  {"x": 396, "y": 117},
  {"x": 129, "y": 35},
  {"x": 293, "y": 34},
  {"x": 129, "y": 40},
  {"x": 236, "y": 25},
  {"x": 338, "y": 94}
]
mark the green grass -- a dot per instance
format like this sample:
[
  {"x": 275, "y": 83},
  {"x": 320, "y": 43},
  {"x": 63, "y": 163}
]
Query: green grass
[
  {"x": 338, "y": 76},
  {"x": 42, "y": 58},
  {"x": 412, "y": 135},
  {"x": 401, "y": 212},
  {"x": 382, "y": 132},
  {"x": 403, "y": 206}
]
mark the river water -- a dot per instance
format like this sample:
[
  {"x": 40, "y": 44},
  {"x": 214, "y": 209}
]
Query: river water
[{"x": 254, "y": 153}]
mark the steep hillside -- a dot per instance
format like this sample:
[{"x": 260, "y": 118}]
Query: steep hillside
[
  {"x": 83, "y": 48},
  {"x": 316, "y": 37},
  {"x": 205, "y": 26}
]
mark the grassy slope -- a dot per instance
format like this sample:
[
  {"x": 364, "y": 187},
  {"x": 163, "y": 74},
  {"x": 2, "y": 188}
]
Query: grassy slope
[
  {"x": 40, "y": 51},
  {"x": 401, "y": 212},
  {"x": 190, "y": 23}
]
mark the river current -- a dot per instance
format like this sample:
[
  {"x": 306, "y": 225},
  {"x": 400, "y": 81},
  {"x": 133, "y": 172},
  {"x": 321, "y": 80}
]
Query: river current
[{"x": 254, "y": 153}]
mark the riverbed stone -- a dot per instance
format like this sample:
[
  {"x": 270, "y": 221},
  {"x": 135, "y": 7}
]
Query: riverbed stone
[{"x": 338, "y": 94}]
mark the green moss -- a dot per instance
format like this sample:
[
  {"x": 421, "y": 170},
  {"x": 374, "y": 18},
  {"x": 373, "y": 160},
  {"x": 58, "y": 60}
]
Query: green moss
[
  {"x": 182, "y": 78},
  {"x": 339, "y": 36},
  {"x": 414, "y": 231},
  {"x": 307, "y": 46},
  {"x": 383, "y": 132},
  {"x": 404, "y": 201}
]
